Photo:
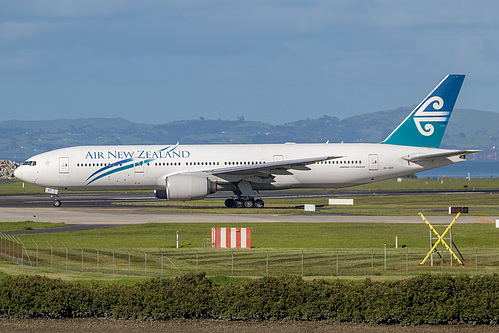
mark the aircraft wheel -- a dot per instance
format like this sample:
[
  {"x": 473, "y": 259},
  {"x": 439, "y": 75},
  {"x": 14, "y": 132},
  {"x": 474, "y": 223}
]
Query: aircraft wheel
[
  {"x": 259, "y": 203},
  {"x": 56, "y": 203},
  {"x": 249, "y": 204},
  {"x": 239, "y": 204},
  {"x": 230, "y": 203}
]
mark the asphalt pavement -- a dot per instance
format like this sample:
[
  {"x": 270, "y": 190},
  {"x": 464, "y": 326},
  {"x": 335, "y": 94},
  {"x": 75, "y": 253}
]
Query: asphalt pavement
[{"x": 90, "y": 211}]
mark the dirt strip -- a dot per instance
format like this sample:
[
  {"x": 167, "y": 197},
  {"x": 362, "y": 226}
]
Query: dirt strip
[{"x": 212, "y": 326}]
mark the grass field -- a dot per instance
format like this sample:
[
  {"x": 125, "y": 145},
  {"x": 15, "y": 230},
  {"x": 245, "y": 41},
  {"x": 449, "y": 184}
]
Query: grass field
[
  {"x": 20, "y": 188},
  {"x": 272, "y": 235},
  {"x": 311, "y": 263},
  {"x": 26, "y": 225},
  {"x": 347, "y": 250}
]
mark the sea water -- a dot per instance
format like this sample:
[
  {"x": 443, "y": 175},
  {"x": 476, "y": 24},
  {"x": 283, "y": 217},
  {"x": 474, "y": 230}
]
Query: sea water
[{"x": 476, "y": 169}]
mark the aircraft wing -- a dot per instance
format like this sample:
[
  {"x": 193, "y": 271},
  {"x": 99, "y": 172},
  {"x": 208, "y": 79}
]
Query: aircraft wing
[
  {"x": 276, "y": 167},
  {"x": 449, "y": 153}
]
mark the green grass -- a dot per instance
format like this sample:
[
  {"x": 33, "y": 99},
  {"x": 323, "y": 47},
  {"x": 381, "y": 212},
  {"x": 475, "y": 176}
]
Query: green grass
[
  {"x": 27, "y": 225},
  {"x": 20, "y": 188},
  {"x": 226, "y": 264},
  {"x": 270, "y": 235},
  {"x": 430, "y": 184},
  {"x": 282, "y": 241},
  {"x": 3, "y": 275},
  {"x": 370, "y": 204}
]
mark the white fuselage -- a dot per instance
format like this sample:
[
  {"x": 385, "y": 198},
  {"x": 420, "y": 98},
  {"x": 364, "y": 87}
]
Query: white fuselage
[{"x": 146, "y": 167}]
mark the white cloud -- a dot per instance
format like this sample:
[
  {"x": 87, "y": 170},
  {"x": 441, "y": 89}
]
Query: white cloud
[{"x": 247, "y": 45}]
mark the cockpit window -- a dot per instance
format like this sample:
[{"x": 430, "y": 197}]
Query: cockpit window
[{"x": 31, "y": 163}]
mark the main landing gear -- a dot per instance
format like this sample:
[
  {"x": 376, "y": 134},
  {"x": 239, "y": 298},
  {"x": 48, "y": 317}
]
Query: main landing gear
[
  {"x": 241, "y": 203},
  {"x": 243, "y": 190}
]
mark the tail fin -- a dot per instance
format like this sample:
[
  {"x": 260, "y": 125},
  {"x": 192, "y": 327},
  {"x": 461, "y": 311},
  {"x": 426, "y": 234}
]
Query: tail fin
[{"x": 425, "y": 125}]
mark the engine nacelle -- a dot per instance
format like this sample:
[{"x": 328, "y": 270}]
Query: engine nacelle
[
  {"x": 160, "y": 194},
  {"x": 181, "y": 187}
]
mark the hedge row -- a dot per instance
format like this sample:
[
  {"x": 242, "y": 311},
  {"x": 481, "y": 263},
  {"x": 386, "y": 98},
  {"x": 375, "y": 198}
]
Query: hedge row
[{"x": 426, "y": 299}]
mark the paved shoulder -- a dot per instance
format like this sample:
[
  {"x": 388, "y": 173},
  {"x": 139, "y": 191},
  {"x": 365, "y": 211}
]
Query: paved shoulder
[{"x": 123, "y": 216}]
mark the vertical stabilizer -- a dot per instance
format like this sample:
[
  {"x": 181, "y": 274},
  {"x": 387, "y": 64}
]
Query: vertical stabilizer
[{"x": 426, "y": 124}]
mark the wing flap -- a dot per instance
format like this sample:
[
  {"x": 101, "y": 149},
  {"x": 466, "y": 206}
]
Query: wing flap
[{"x": 276, "y": 167}]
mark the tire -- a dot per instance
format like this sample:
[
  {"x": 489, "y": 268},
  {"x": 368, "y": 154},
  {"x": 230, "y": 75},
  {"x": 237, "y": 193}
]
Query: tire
[
  {"x": 259, "y": 203},
  {"x": 249, "y": 204},
  {"x": 56, "y": 203},
  {"x": 230, "y": 203},
  {"x": 239, "y": 204}
]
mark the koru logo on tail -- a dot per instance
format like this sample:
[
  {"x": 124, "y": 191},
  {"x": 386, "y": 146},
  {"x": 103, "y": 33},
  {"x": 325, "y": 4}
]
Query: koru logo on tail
[{"x": 423, "y": 116}]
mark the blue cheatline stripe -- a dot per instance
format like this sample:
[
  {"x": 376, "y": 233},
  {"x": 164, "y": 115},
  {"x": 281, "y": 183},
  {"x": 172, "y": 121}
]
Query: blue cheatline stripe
[
  {"x": 125, "y": 161},
  {"x": 167, "y": 148},
  {"x": 129, "y": 166},
  {"x": 109, "y": 166}
]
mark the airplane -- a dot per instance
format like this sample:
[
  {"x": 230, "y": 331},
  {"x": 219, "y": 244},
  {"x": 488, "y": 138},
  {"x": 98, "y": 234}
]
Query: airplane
[{"x": 189, "y": 172}]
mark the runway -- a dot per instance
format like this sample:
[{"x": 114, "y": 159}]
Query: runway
[
  {"x": 106, "y": 199},
  {"x": 96, "y": 211},
  {"x": 123, "y": 216}
]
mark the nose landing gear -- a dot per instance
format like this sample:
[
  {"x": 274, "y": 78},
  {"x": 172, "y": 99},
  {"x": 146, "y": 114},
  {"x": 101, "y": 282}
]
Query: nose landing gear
[
  {"x": 57, "y": 201},
  {"x": 54, "y": 194}
]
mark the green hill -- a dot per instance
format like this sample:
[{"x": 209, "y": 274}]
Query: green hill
[{"x": 19, "y": 140}]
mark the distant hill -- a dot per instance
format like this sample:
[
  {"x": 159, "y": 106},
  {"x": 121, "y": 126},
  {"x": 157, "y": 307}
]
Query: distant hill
[{"x": 19, "y": 140}]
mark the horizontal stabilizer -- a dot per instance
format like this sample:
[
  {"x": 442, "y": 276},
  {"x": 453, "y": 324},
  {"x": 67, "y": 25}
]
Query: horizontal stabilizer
[{"x": 451, "y": 153}]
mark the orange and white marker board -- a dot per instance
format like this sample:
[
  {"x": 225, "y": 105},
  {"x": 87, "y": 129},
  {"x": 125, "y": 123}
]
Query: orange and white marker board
[{"x": 239, "y": 238}]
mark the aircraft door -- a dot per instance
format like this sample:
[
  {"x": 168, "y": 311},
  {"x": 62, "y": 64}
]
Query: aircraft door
[
  {"x": 373, "y": 162},
  {"x": 63, "y": 164},
  {"x": 278, "y": 158},
  {"x": 138, "y": 166}
]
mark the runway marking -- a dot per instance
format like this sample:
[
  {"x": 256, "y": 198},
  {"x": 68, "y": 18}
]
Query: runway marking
[{"x": 484, "y": 219}]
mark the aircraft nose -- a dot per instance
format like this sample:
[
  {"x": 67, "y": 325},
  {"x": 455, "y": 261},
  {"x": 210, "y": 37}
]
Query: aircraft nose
[{"x": 18, "y": 173}]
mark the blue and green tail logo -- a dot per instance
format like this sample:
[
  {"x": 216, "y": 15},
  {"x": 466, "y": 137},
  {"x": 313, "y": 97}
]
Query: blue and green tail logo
[{"x": 426, "y": 124}]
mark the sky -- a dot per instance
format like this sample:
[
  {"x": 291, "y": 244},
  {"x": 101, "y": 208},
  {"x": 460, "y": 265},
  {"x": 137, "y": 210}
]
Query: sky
[{"x": 156, "y": 61}]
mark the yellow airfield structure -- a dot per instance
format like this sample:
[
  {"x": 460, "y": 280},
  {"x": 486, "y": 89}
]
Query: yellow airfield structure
[{"x": 440, "y": 239}]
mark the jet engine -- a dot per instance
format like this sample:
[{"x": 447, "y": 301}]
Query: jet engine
[{"x": 181, "y": 187}]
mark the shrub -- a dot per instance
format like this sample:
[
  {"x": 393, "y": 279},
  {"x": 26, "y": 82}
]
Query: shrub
[{"x": 426, "y": 299}]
